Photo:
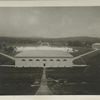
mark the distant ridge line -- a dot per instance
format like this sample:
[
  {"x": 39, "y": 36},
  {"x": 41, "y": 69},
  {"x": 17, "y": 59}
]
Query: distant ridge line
[{"x": 49, "y": 38}]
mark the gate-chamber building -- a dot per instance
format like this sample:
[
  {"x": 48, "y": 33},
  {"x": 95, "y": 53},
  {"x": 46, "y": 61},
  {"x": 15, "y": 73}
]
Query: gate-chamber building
[{"x": 42, "y": 58}]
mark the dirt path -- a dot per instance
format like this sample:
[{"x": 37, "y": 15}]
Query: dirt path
[{"x": 44, "y": 89}]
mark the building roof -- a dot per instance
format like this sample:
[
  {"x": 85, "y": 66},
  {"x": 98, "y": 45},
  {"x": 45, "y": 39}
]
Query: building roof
[
  {"x": 44, "y": 53},
  {"x": 44, "y": 48}
]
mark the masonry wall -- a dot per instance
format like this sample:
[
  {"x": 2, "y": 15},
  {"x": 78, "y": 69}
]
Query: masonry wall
[{"x": 41, "y": 62}]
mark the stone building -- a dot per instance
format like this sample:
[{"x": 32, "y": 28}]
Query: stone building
[{"x": 42, "y": 58}]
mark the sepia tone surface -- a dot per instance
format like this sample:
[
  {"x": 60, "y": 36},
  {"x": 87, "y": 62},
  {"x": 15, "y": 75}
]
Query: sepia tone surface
[{"x": 49, "y": 51}]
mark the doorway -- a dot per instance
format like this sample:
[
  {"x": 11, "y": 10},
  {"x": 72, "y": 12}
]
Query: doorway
[{"x": 44, "y": 64}]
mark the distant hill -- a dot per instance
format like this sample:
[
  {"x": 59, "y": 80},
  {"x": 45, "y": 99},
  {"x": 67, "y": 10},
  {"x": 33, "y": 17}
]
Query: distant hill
[
  {"x": 33, "y": 41},
  {"x": 93, "y": 39},
  {"x": 83, "y": 38}
]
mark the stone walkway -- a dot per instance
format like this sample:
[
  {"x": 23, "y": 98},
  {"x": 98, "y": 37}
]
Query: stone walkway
[{"x": 44, "y": 89}]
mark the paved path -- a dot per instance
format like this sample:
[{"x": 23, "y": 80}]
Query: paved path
[
  {"x": 84, "y": 54},
  {"x": 7, "y": 65},
  {"x": 44, "y": 89},
  {"x": 10, "y": 57},
  {"x": 70, "y": 61}
]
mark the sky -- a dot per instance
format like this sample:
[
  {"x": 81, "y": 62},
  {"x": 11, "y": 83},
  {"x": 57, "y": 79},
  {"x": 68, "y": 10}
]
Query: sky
[{"x": 49, "y": 22}]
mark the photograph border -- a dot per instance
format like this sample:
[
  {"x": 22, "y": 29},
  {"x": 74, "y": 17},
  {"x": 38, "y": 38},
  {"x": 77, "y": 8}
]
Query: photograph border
[{"x": 50, "y": 3}]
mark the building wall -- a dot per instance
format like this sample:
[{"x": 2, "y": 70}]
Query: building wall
[
  {"x": 95, "y": 46},
  {"x": 41, "y": 62}
]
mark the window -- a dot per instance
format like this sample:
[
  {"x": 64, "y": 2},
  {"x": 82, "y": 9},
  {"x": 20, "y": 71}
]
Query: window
[
  {"x": 65, "y": 60},
  {"x": 58, "y": 59},
  {"x": 44, "y": 60},
  {"x": 37, "y": 60},
  {"x": 30, "y": 60},
  {"x": 51, "y": 59},
  {"x": 23, "y": 60}
]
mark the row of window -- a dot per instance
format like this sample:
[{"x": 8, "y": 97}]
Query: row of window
[{"x": 44, "y": 60}]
